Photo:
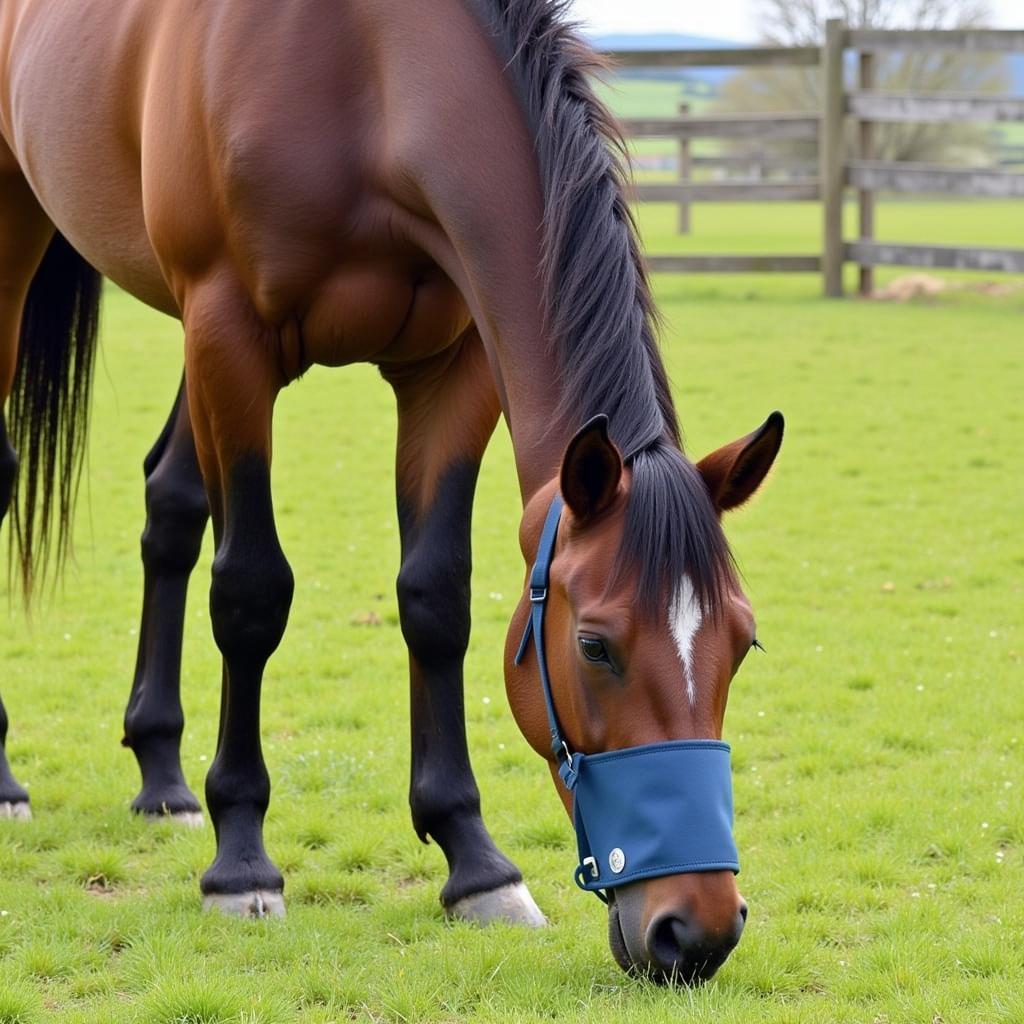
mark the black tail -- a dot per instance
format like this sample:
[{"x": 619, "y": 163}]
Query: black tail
[{"x": 49, "y": 406}]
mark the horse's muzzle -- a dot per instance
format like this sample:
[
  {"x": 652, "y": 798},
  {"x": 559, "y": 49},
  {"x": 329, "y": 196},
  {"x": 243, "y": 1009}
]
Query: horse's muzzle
[{"x": 675, "y": 945}]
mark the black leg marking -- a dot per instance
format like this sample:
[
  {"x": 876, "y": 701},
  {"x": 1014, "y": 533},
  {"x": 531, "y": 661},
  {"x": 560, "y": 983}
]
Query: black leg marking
[
  {"x": 176, "y": 515},
  {"x": 13, "y": 798},
  {"x": 249, "y": 602},
  {"x": 433, "y": 600}
]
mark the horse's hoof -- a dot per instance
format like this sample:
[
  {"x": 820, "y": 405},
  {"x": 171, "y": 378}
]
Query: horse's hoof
[
  {"x": 188, "y": 819},
  {"x": 19, "y": 810},
  {"x": 511, "y": 904},
  {"x": 259, "y": 903}
]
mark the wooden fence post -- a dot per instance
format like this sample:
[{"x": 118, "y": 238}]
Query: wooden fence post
[
  {"x": 684, "y": 174},
  {"x": 866, "y": 151},
  {"x": 832, "y": 155}
]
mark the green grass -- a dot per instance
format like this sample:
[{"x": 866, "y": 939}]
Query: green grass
[{"x": 878, "y": 744}]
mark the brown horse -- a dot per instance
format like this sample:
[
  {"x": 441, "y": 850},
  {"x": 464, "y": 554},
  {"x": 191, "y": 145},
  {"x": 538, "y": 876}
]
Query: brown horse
[{"x": 434, "y": 189}]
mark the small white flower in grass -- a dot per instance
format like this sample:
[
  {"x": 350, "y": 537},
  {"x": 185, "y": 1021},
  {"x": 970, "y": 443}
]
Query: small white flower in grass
[
  {"x": 760, "y": 714},
  {"x": 67, "y": 636},
  {"x": 915, "y": 895},
  {"x": 920, "y": 688},
  {"x": 5, "y": 913},
  {"x": 984, "y": 824},
  {"x": 487, "y": 700},
  {"x": 993, "y": 633},
  {"x": 501, "y": 746},
  {"x": 1007, "y": 784},
  {"x": 202, "y": 757},
  {"x": 819, "y": 648},
  {"x": 495, "y": 596}
]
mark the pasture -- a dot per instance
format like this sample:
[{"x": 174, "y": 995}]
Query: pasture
[{"x": 878, "y": 745}]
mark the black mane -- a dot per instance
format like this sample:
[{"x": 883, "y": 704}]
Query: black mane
[{"x": 597, "y": 299}]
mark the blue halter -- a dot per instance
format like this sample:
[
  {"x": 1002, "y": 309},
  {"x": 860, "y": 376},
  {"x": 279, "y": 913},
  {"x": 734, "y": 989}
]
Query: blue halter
[{"x": 640, "y": 812}]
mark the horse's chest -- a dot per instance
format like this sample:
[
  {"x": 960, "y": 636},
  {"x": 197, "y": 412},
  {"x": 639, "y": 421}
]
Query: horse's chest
[{"x": 381, "y": 312}]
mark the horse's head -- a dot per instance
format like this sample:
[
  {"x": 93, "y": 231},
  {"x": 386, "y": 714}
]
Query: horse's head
[{"x": 643, "y": 626}]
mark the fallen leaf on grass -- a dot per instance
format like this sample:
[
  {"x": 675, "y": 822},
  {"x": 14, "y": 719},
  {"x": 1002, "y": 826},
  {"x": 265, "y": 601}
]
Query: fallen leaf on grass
[{"x": 365, "y": 619}]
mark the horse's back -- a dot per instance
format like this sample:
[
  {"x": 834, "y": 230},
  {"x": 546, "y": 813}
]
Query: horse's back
[{"x": 292, "y": 141}]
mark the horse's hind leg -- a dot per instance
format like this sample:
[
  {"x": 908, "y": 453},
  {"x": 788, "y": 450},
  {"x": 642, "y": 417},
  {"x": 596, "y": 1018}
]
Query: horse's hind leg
[
  {"x": 176, "y": 515},
  {"x": 25, "y": 232},
  {"x": 447, "y": 411},
  {"x": 13, "y": 798}
]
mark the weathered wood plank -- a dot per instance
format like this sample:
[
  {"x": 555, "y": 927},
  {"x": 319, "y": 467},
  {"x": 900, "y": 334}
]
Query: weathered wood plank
[
  {"x": 684, "y": 174},
  {"x": 725, "y": 126},
  {"x": 930, "y": 40},
  {"x": 831, "y": 155},
  {"x": 767, "y": 264},
  {"x": 755, "y": 56},
  {"x": 903, "y": 107},
  {"x": 909, "y": 177},
  {"x": 761, "y": 164},
  {"x": 946, "y": 257},
  {"x": 728, "y": 192},
  {"x": 866, "y": 151}
]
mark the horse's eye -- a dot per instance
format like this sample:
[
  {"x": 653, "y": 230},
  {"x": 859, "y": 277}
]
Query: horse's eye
[{"x": 593, "y": 649}]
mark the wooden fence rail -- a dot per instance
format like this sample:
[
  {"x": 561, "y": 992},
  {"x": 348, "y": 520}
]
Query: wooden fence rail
[
  {"x": 867, "y": 106},
  {"x": 725, "y": 126}
]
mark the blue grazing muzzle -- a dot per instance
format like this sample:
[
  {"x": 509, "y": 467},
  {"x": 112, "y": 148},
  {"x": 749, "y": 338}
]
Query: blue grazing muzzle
[{"x": 640, "y": 812}]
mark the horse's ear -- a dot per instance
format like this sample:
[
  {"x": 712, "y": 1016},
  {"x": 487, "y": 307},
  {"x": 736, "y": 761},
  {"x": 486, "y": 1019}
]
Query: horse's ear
[
  {"x": 734, "y": 472},
  {"x": 591, "y": 470}
]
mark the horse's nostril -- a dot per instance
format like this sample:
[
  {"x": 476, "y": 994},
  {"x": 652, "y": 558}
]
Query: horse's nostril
[
  {"x": 680, "y": 949},
  {"x": 668, "y": 941},
  {"x": 743, "y": 911}
]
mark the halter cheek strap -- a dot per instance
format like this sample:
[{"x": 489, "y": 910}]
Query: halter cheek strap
[
  {"x": 540, "y": 577},
  {"x": 640, "y": 812}
]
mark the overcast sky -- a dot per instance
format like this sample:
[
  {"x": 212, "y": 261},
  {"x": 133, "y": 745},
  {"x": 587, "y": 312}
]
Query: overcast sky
[{"x": 726, "y": 19}]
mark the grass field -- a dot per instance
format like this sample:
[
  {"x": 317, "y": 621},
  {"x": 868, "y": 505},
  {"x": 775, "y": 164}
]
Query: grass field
[{"x": 878, "y": 745}]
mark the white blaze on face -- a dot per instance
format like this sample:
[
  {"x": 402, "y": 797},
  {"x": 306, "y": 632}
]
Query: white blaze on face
[{"x": 684, "y": 617}]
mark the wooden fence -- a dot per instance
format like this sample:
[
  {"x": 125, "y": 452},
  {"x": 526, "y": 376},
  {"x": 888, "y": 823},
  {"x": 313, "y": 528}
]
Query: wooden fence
[{"x": 865, "y": 174}]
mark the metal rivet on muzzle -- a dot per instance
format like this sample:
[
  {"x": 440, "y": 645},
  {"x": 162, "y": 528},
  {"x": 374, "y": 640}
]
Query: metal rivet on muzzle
[{"x": 617, "y": 860}]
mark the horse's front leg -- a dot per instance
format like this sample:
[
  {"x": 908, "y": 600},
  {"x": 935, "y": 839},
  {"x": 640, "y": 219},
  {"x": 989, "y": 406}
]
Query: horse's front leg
[
  {"x": 232, "y": 371},
  {"x": 447, "y": 410},
  {"x": 176, "y": 515}
]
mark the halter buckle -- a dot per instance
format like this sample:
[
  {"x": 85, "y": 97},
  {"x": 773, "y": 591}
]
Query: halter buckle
[{"x": 538, "y": 595}]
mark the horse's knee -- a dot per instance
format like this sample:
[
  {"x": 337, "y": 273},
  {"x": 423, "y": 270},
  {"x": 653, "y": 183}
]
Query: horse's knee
[
  {"x": 433, "y": 604},
  {"x": 176, "y": 515},
  {"x": 249, "y": 600}
]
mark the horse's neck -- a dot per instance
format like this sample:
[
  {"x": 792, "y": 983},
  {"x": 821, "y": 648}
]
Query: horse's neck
[{"x": 481, "y": 185}]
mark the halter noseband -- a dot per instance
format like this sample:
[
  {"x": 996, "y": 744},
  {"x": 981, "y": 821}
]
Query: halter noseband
[{"x": 640, "y": 812}]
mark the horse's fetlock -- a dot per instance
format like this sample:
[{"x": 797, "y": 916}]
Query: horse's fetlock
[
  {"x": 437, "y": 804},
  {"x": 229, "y": 790},
  {"x": 148, "y": 722}
]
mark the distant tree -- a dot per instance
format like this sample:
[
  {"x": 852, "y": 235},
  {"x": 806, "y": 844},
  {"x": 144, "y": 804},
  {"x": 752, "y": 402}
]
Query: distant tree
[{"x": 801, "y": 23}]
